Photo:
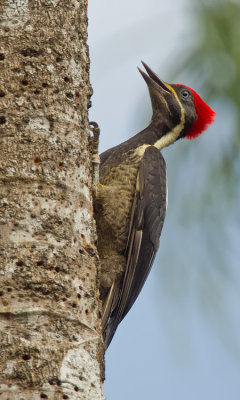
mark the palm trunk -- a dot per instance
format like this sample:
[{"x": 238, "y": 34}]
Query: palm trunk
[{"x": 50, "y": 336}]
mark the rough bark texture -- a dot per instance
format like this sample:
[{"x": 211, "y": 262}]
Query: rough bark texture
[{"x": 50, "y": 336}]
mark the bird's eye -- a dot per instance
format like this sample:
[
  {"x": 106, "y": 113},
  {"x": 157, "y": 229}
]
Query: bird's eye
[{"x": 185, "y": 93}]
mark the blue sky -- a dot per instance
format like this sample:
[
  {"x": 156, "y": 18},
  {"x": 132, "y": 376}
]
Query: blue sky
[{"x": 182, "y": 337}]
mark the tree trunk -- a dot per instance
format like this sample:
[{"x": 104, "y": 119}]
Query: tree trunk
[{"x": 50, "y": 339}]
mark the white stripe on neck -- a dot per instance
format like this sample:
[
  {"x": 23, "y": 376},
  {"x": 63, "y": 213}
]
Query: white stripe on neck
[{"x": 169, "y": 137}]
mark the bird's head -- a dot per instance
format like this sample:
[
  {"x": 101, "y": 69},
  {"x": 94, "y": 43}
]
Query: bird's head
[{"x": 178, "y": 108}]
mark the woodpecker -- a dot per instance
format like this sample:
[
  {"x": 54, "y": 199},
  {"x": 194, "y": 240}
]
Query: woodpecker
[{"x": 131, "y": 196}]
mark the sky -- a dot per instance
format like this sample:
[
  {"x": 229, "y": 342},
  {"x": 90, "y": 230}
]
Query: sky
[{"x": 181, "y": 339}]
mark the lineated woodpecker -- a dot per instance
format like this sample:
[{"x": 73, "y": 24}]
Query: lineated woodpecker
[{"x": 130, "y": 203}]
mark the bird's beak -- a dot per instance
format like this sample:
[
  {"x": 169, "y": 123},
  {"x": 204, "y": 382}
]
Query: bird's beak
[{"x": 153, "y": 80}]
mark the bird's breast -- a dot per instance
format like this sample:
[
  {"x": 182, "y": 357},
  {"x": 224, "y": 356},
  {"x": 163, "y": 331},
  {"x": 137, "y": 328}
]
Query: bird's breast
[{"x": 114, "y": 204}]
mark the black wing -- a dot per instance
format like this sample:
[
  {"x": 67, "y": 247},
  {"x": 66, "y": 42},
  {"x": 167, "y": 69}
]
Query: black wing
[{"x": 148, "y": 213}]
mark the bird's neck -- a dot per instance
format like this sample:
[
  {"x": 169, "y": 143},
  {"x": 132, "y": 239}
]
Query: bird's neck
[{"x": 158, "y": 133}]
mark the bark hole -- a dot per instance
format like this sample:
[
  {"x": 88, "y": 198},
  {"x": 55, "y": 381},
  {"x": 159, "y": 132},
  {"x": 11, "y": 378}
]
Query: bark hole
[
  {"x": 69, "y": 95},
  {"x": 31, "y": 53},
  {"x": 26, "y": 357},
  {"x": 39, "y": 263},
  {"x": 37, "y": 161}
]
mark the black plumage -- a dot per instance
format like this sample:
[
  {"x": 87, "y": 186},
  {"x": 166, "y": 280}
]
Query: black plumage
[
  {"x": 145, "y": 223},
  {"x": 130, "y": 200}
]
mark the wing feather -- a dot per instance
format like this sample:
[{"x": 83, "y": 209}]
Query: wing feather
[{"x": 147, "y": 217}]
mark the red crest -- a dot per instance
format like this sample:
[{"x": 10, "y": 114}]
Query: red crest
[{"x": 205, "y": 116}]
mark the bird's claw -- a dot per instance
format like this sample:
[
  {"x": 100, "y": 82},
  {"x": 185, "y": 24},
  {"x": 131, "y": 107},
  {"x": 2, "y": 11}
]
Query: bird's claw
[
  {"x": 94, "y": 127},
  {"x": 95, "y": 159},
  {"x": 94, "y": 141}
]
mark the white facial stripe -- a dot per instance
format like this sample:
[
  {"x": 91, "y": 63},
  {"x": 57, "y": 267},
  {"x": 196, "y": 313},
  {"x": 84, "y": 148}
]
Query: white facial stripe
[{"x": 171, "y": 136}]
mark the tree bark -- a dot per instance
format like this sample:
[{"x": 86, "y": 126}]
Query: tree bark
[{"x": 50, "y": 334}]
